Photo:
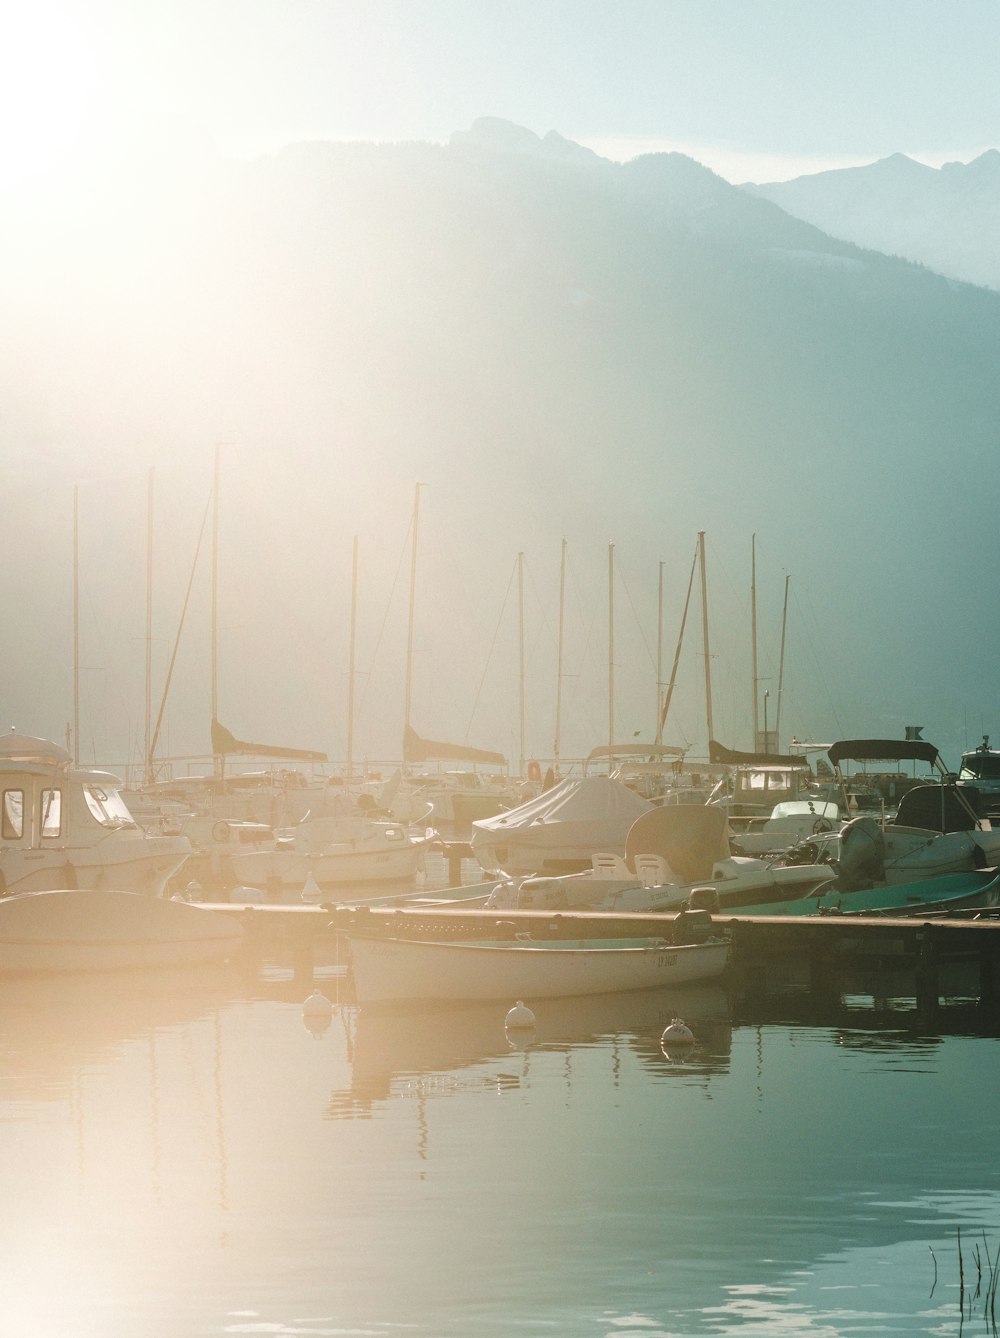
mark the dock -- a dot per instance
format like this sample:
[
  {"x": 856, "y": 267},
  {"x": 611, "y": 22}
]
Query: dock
[{"x": 822, "y": 947}]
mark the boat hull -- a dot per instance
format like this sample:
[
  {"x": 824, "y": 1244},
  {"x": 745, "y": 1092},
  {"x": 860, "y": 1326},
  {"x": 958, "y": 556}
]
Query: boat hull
[
  {"x": 83, "y": 929},
  {"x": 969, "y": 891},
  {"x": 387, "y": 970}
]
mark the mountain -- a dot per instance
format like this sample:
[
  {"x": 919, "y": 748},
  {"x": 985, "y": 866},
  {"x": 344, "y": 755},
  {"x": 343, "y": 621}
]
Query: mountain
[
  {"x": 946, "y": 218},
  {"x": 557, "y": 346}
]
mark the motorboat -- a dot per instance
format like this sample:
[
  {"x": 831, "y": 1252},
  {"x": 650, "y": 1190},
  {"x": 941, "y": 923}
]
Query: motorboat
[
  {"x": 96, "y": 929},
  {"x": 937, "y": 827},
  {"x": 973, "y": 890},
  {"x": 388, "y": 970},
  {"x": 980, "y": 768},
  {"x": 789, "y": 823},
  {"x": 560, "y": 830},
  {"x": 672, "y": 855},
  {"x": 334, "y": 851},
  {"x": 63, "y": 826}
]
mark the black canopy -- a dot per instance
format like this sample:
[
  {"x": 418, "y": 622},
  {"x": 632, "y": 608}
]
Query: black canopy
[{"x": 883, "y": 750}]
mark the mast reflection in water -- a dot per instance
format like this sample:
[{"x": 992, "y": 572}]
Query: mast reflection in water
[{"x": 182, "y": 1156}]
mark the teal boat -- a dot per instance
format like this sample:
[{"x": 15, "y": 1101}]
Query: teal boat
[{"x": 973, "y": 890}]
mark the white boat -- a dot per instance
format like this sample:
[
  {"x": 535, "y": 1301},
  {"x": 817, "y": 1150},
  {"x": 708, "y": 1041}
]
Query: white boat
[
  {"x": 88, "y": 929},
  {"x": 561, "y": 830},
  {"x": 790, "y": 823},
  {"x": 63, "y": 826},
  {"x": 396, "y": 970},
  {"x": 334, "y": 851},
  {"x": 674, "y": 856}
]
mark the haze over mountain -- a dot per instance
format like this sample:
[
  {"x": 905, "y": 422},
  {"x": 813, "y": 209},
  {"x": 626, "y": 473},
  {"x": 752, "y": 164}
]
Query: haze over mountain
[
  {"x": 947, "y": 218},
  {"x": 556, "y": 345}
]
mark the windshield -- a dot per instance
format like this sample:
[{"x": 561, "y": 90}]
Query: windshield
[
  {"x": 108, "y": 807},
  {"x": 980, "y": 766}
]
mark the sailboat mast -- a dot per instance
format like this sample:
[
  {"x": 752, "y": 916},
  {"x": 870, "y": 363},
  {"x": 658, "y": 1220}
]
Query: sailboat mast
[
  {"x": 781, "y": 665},
  {"x": 704, "y": 620},
  {"x": 611, "y": 654},
  {"x": 559, "y": 653},
  {"x": 350, "y": 666},
  {"x": 753, "y": 638},
  {"x": 520, "y": 650},
  {"x": 76, "y": 624},
  {"x": 659, "y": 647},
  {"x": 215, "y": 587},
  {"x": 149, "y": 628},
  {"x": 409, "y": 630}
]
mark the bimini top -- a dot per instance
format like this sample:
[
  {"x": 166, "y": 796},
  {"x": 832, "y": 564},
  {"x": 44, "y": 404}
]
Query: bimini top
[
  {"x": 884, "y": 750},
  {"x": 24, "y": 748}
]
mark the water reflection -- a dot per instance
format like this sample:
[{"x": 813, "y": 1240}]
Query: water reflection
[{"x": 390, "y": 1047}]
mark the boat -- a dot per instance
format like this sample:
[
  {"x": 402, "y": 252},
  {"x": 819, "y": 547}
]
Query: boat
[
  {"x": 980, "y": 768},
  {"x": 63, "y": 826},
  {"x": 789, "y": 824},
  {"x": 937, "y": 827},
  {"x": 334, "y": 851},
  {"x": 672, "y": 854},
  {"x": 972, "y": 890},
  {"x": 95, "y": 929},
  {"x": 561, "y": 830},
  {"x": 395, "y": 970}
]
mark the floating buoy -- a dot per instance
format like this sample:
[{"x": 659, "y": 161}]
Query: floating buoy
[
  {"x": 317, "y": 1005},
  {"x": 520, "y": 1016},
  {"x": 678, "y": 1034}
]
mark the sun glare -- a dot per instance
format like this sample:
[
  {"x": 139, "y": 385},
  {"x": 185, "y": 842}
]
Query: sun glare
[{"x": 47, "y": 81}]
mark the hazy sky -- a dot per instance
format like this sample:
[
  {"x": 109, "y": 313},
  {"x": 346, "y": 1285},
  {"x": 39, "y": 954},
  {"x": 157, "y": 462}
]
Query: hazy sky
[{"x": 756, "y": 89}]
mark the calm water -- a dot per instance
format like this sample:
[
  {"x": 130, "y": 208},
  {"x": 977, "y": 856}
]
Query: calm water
[{"x": 182, "y": 1156}]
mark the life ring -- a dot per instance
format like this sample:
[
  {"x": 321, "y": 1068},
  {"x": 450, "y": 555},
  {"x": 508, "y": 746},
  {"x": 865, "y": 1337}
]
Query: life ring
[
  {"x": 534, "y": 771},
  {"x": 822, "y": 825}
]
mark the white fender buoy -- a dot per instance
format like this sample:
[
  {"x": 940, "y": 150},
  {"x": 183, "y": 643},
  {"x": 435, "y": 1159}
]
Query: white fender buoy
[
  {"x": 678, "y": 1034},
  {"x": 312, "y": 891},
  {"x": 520, "y": 1016},
  {"x": 317, "y": 1005}
]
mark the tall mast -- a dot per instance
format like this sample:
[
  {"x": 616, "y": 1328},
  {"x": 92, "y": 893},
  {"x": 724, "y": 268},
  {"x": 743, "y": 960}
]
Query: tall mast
[
  {"x": 76, "y": 624},
  {"x": 149, "y": 628},
  {"x": 781, "y": 666},
  {"x": 215, "y": 586},
  {"x": 559, "y": 653},
  {"x": 704, "y": 620},
  {"x": 520, "y": 648},
  {"x": 659, "y": 647},
  {"x": 409, "y": 631},
  {"x": 350, "y": 667},
  {"x": 753, "y": 638},
  {"x": 611, "y": 654}
]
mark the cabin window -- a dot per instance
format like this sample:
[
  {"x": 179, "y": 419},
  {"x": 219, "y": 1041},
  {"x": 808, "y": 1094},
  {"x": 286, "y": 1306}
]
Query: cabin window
[
  {"x": 51, "y": 812},
  {"x": 108, "y": 807},
  {"x": 13, "y": 815}
]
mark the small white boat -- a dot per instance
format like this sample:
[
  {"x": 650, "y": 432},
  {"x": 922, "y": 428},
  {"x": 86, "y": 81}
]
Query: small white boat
[
  {"x": 394, "y": 970},
  {"x": 89, "y": 929},
  {"x": 343, "y": 851}
]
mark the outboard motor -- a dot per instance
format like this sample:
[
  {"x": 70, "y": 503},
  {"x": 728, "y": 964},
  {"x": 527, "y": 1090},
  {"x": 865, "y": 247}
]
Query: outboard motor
[{"x": 862, "y": 854}]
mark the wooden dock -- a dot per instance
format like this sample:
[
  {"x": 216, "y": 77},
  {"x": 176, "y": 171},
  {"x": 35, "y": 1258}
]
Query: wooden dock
[{"x": 823, "y": 946}]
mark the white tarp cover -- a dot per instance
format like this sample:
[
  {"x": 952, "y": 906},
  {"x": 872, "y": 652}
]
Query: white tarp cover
[{"x": 593, "y": 808}]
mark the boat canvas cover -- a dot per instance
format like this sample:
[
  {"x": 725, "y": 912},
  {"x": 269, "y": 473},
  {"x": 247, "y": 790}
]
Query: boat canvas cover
[
  {"x": 416, "y": 749},
  {"x": 722, "y": 756},
  {"x": 224, "y": 743},
  {"x": 883, "y": 750},
  {"x": 690, "y": 838},
  {"x": 591, "y": 809}
]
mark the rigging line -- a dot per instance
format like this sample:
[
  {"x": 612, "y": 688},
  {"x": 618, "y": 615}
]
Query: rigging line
[
  {"x": 180, "y": 628},
  {"x": 635, "y": 615},
  {"x": 369, "y": 677},
  {"x": 818, "y": 665},
  {"x": 677, "y": 652},
  {"x": 489, "y": 653}
]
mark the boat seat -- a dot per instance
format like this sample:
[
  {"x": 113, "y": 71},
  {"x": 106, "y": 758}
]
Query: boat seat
[
  {"x": 607, "y": 866},
  {"x": 652, "y": 870}
]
